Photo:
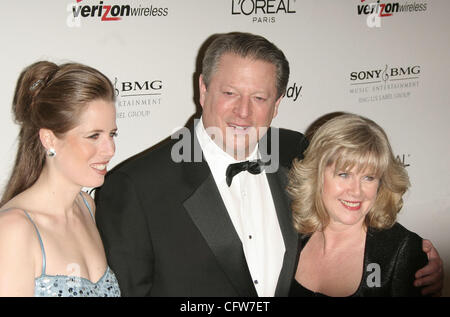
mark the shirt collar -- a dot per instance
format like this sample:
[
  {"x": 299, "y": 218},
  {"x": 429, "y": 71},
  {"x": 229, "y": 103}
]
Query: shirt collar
[{"x": 217, "y": 159}]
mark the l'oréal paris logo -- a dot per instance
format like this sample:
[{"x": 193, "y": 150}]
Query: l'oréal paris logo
[{"x": 262, "y": 11}]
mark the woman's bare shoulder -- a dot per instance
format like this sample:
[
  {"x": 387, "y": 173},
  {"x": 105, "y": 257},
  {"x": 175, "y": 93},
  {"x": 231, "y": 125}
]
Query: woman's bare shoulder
[
  {"x": 14, "y": 223},
  {"x": 18, "y": 253}
]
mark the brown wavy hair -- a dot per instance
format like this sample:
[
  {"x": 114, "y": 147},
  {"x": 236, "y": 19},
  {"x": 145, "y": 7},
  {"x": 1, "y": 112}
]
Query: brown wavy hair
[
  {"x": 51, "y": 97},
  {"x": 347, "y": 141}
]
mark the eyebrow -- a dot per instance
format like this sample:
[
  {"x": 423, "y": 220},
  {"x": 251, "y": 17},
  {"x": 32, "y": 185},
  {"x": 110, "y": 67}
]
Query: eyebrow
[{"x": 99, "y": 130}]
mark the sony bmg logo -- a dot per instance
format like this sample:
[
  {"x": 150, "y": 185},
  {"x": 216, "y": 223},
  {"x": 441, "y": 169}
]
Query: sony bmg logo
[{"x": 386, "y": 73}]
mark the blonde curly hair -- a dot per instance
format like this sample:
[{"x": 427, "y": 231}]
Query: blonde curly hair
[{"x": 347, "y": 141}]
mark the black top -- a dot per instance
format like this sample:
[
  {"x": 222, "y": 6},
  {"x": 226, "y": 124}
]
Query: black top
[{"x": 391, "y": 258}]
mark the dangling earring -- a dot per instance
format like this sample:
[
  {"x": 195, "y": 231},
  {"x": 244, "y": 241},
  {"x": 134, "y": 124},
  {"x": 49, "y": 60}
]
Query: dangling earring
[{"x": 51, "y": 152}]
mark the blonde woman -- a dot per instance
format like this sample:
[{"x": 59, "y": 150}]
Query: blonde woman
[{"x": 346, "y": 194}]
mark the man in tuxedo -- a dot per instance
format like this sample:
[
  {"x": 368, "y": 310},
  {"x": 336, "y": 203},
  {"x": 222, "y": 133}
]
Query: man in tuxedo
[{"x": 208, "y": 215}]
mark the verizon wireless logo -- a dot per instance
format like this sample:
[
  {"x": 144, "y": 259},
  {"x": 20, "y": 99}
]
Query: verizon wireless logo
[{"x": 108, "y": 11}]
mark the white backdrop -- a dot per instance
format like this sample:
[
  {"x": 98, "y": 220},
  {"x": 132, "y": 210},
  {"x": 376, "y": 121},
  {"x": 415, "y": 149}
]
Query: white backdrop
[{"x": 391, "y": 65}]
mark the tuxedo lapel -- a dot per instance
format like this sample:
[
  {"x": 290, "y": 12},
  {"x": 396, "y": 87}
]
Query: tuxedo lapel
[
  {"x": 209, "y": 214},
  {"x": 270, "y": 149},
  {"x": 277, "y": 183}
]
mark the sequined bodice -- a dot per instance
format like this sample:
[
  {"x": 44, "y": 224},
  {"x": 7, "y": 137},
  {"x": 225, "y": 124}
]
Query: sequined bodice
[{"x": 71, "y": 286}]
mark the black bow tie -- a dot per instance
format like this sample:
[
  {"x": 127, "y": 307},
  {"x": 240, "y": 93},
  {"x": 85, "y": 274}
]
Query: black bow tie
[{"x": 254, "y": 167}]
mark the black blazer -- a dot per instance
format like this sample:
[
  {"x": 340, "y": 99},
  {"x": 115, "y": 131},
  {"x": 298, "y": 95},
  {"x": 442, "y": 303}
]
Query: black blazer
[
  {"x": 166, "y": 230},
  {"x": 391, "y": 259}
]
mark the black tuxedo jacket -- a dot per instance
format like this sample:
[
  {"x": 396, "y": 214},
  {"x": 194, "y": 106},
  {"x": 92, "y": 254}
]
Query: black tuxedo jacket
[{"x": 166, "y": 230}]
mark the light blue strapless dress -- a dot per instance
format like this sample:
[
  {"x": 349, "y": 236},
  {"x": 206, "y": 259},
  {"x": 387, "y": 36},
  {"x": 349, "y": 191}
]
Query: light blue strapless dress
[{"x": 73, "y": 286}]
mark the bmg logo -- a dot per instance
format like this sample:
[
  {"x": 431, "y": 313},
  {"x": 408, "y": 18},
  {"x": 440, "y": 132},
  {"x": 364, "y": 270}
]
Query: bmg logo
[{"x": 137, "y": 88}]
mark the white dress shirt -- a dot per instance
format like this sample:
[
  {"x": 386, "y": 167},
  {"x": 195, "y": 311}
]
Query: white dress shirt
[{"x": 250, "y": 206}]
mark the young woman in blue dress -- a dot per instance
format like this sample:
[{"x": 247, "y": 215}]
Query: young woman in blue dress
[{"x": 49, "y": 243}]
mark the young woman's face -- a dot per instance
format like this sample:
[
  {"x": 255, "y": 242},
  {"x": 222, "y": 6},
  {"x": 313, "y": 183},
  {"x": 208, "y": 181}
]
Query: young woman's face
[{"x": 83, "y": 153}]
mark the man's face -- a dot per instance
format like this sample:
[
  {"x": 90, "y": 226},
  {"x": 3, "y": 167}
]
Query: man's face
[{"x": 239, "y": 103}]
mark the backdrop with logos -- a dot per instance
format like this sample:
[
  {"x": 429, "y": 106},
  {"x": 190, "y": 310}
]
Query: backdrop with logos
[{"x": 387, "y": 60}]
